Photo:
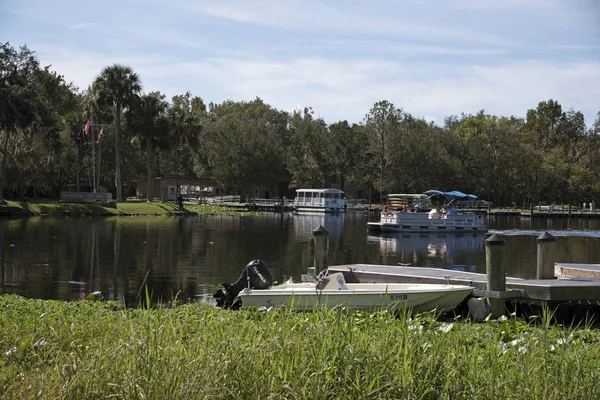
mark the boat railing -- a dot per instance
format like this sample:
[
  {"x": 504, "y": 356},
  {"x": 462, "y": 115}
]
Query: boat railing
[
  {"x": 265, "y": 202},
  {"x": 223, "y": 199}
]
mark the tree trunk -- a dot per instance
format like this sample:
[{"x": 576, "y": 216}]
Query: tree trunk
[
  {"x": 117, "y": 158},
  {"x": 165, "y": 191},
  {"x": 99, "y": 163},
  {"x": 93, "y": 159},
  {"x": 4, "y": 159},
  {"x": 149, "y": 167},
  {"x": 77, "y": 185}
]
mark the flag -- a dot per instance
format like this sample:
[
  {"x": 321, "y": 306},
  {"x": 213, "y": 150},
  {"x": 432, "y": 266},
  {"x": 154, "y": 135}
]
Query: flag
[
  {"x": 88, "y": 125},
  {"x": 99, "y": 135}
]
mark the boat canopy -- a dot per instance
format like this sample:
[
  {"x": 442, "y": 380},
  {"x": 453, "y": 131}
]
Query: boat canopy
[
  {"x": 455, "y": 194},
  {"x": 320, "y": 191},
  {"x": 406, "y": 195}
]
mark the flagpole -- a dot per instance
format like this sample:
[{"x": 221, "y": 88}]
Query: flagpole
[
  {"x": 93, "y": 156},
  {"x": 99, "y": 151},
  {"x": 99, "y": 159}
]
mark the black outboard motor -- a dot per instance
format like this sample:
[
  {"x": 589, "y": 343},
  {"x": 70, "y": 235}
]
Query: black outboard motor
[{"x": 255, "y": 275}]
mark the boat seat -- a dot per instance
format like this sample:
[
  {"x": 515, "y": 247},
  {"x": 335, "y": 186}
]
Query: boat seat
[{"x": 333, "y": 282}]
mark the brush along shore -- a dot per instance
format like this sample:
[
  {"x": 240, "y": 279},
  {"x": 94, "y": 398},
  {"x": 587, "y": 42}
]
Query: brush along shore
[
  {"x": 30, "y": 208},
  {"x": 90, "y": 350}
]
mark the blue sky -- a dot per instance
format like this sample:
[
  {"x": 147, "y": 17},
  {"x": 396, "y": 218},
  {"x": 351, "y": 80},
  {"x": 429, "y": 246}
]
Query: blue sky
[{"x": 431, "y": 58}]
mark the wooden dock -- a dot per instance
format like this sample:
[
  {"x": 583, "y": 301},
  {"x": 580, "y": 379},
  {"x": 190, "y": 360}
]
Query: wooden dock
[{"x": 577, "y": 283}]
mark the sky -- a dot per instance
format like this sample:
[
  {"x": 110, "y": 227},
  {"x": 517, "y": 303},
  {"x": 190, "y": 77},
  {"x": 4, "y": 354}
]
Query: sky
[{"x": 432, "y": 58}]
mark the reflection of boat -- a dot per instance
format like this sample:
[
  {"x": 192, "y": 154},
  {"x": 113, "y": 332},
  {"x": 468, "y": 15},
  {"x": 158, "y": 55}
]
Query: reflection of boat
[
  {"x": 319, "y": 200},
  {"x": 254, "y": 288},
  {"x": 436, "y": 244},
  {"x": 405, "y": 218},
  {"x": 305, "y": 224}
]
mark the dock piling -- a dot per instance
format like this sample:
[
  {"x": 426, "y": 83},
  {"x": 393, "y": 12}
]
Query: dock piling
[
  {"x": 546, "y": 244},
  {"x": 321, "y": 238},
  {"x": 495, "y": 272}
]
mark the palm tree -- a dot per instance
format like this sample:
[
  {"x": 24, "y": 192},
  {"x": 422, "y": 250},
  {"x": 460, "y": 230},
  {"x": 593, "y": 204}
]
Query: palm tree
[
  {"x": 119, "y": 86},
  {"x": 149, "y": 122},
  {"x": 184, "y": 126}
]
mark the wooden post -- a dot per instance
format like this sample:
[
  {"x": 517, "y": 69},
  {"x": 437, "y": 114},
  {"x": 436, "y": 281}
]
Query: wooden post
[
  {"x": 320, "y": 236},
  {"x": 495, "y": 271},
  {"x": 545, "y": 256}
]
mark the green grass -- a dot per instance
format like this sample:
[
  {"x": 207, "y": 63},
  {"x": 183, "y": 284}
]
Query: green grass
[
  {"x": 90, "y": 350},
  {"x": 124, "y": 208}
]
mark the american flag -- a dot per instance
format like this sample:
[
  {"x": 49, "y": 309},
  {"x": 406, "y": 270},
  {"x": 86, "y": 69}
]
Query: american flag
[
  {"x": 99, "y": 135},
  {"x": 88, "y": 125}
]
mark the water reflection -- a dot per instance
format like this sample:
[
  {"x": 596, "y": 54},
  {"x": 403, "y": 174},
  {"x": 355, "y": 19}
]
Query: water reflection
[
  {"x": 447, "y": 250},
  {"x": 305, "y": 224},
  {"x": 187, "y": 257}
]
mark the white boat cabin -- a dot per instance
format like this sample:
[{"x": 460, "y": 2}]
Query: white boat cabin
[{"x": 319, "y": 200}]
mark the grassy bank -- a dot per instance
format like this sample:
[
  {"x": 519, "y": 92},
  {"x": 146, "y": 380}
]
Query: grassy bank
[
  {"x": 124, "y": 208},
  {"x": 90, "y": 350}
]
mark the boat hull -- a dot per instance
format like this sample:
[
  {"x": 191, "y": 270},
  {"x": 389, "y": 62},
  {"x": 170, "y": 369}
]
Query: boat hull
[
  {"x": 318, "y": 210},
  {"x": 361, "y": 296},
  {"x": 383, "y": 227},
  {"x": 422, "y": 222}
]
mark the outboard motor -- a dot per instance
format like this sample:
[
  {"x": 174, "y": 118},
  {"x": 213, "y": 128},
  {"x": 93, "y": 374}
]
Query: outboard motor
[{"x": 255, "y": 275}]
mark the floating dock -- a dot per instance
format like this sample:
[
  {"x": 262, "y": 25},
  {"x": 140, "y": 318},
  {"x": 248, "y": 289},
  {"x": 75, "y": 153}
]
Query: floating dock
[
  {"x": 574, "y": 293},
  {"x": 572, "y": 286}
]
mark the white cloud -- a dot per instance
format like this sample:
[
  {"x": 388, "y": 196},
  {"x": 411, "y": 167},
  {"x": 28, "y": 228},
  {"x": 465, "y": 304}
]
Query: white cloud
[
  {"x": 347, "y": 89},
  {"x": 85, "y": 25},
  {"x": 486, "y": 5},
  {"x": 318, "y": 16},
  {"x": 433, "y": 59}
]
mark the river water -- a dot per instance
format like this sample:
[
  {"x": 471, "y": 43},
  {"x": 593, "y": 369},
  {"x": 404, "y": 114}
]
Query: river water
[{"x": 187, "y": 257}]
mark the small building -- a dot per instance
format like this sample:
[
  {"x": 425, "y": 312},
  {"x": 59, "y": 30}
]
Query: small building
[{"x": 187, "y": 186}]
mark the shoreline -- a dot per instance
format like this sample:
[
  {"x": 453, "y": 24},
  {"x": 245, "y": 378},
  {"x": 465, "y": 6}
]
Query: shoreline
[{"x": 10, "y": 208}]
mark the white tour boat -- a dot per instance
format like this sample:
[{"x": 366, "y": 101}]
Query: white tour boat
[
  {"x": 412, "y": 219},
  {"x": 254, "y": 288},
  {"x": 319, "y": 201}
]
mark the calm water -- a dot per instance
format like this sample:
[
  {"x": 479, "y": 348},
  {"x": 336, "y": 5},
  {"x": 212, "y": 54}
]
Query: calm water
[{"x": 65, "y": 258}]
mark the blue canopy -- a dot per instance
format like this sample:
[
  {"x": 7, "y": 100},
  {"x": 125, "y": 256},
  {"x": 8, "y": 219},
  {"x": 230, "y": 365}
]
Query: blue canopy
[{"x": 455, "y": 194}]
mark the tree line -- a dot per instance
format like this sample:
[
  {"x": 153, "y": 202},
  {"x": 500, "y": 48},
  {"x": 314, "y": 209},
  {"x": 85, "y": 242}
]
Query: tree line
[{"x": 550, "y": 155}]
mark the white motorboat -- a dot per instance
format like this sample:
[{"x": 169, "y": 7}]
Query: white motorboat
[
  {"x": 334, "y": 291},
  {"x": 319, "y": 201},
  {"x": 412, "y": 219}
]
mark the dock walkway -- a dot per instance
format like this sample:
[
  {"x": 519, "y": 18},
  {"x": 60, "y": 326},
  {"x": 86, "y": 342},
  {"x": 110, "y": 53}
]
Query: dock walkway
[{"x": 578, "y": 283}]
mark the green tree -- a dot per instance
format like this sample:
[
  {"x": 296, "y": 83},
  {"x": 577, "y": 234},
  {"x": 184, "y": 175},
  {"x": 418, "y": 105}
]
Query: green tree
[
  {"x": 346, "y": 147},
  {"x": 18, "y": 100},
  {"x": 184, "y": 127},
  {"x": 147, "y": 118},
  {"x": 117, "y": 86},
  {"x": 308, "y": 158},
  {"x": 244, "y": 144},
  {"x": 382, "y": 121}
]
